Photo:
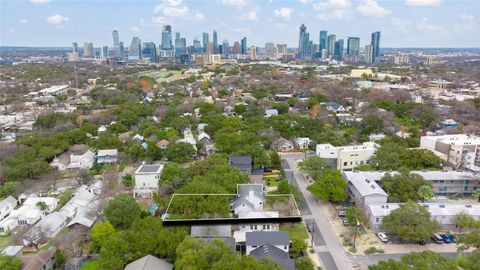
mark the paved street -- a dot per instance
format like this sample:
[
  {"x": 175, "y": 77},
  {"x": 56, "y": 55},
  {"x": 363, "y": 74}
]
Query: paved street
[{"x": 327, "y": 245}]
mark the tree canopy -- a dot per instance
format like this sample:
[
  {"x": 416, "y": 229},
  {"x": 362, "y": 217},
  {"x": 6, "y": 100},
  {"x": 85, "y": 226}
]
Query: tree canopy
[
  {"x": 425, "y": 260},
  {"x": 330, "y": 186},
  {"x": 122, "y": 211},
  {"x": 405, "y": 186},
  {"x": 313, "y": 166}
]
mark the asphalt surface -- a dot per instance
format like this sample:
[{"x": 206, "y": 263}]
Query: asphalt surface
[
  {"x": 327, "y": 260},
  {"x": 318, "y": 239}
]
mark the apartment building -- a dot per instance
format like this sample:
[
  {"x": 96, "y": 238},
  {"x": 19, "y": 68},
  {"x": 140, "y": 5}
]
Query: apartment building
[
  {"x": 346, "y": 158},
  {"x": 458, "y": 150}
]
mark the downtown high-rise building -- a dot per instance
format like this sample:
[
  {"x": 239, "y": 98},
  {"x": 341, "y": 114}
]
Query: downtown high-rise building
[
  {"x": 304, "y": 43},
  {"x": 353, "y": 46},
  {"x": 135, "y": 50},
  {"x": 74, "y": 47},
  {"x": 323, "y": 40},
  {"x": 270, "y": 49},
  {"x": 122, "y": 49},
  {"x": 252, "y": 52},
  {"x": 225, "y": 48},
  {"x": 167, "y": 38},
  {"x": 243, "y": 45},
  {"x": 205, "y": 40},
  {"x": 104, "y": 52},
  {"x": 375, "y": 46},
  {"x": 117, "y": 52},
  {"x": 331, "y": 44},
  {"x": 281, "y": 49},
  {"x": 197, "y": 46},
  {"x": 86, "y": 52},
  {"x": 149, "y": 51},
  {"x": 236, "y": 48},
  {"x": 338, "y": 52},
  {"x": 215, "y": 41},
  {"x": 368, "y": 57}
]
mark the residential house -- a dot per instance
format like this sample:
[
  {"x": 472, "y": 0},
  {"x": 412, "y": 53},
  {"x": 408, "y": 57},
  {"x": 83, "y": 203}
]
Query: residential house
[
  {"x": 448, "y": 123},
  {"x": 78, "y": 157},
  {"x": 138, "y": 138},
  {"x": 458, "y": 151},
  {"x": 275, "y": 254},
  {"x": 146, "y": 180},
  {"x": 443, "y": 213},
  {"x": 43, "y": 260},
  {"x": 162, "y": 144},
  {"x": 302, "y": 143},
  {"x": 364, "y": 191},
  {"x": 189, "y": 138},
  {"x": 334, "y": 107},
  {"x": 250, "y": 198},
  {"x": 205, "y": 139},
  {"x": 376, "y": 137},
  {"x": 107, "y": 156},
  {"x": 83, "y": 208},
  {"x": 244, "y": 163},
  {"x": 270, "y": 112},
  {"x": 257, "y": 239},
  {"x": 6, "y": 207},
  {"x": 149, "y": 262},
  {"x": 283, "y": 145},
  {"x": 48, "y": 227},
  {"x": 346, "y": 158},
  {"x": 208, "y": 233}
]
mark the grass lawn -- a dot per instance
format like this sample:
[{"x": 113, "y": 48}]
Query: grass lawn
[
  {"x": 295, "y": 230},
  {"x": 4, "y": 241},
  {"x": 91, "y": 265}
]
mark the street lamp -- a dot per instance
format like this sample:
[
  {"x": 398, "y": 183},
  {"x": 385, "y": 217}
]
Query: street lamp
[{"x": 355, "y": 235}]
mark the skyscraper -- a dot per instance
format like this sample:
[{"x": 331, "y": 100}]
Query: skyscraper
[
  {"x": 303, "y": 30},
  {"x": 281, "y": 49},
  {"x": 304, "y": 43},
  {"x": 86, "y": 52},
  {"x": 197, "y": 46},
  {"x": 205, "y": 41},
  {"x": 270, "y": 49},
  {"x": 236, "y": 48},
  {"x": 252, "y": 52},
  {"x": 368, "y": 54},
  {"x": 135, "y": 50},
  {"x": 167, "y": 37},
  {"x": 243, "y": 45},
  {"x": 149, "y": 51},
  {"x": 338, "y": 53},
  {"x": 178, "y": 49},
  {"x": 353, "y": 46},
  {"x": 331, "y": 44},
  {"x": 323, "y": 40},
  {"x": 375, "y": 46},
  {"x": 104, "y": 54},
  {"x": 215, "y": 42},
  {"x": 75, "y": 47},
  {"x": 122, "y": 49},
  {"x": 116, "y": 45},
  {"x": 225, "y": 48}
]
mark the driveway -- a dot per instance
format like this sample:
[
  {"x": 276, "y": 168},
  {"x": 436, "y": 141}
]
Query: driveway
[{"x": 327, "y": 245}]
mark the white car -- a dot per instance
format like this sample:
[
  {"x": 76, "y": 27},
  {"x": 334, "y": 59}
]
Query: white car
[{"x": 382, "y": 237}]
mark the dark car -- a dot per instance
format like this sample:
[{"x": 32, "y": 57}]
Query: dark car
[
  {"x": 445, "y": 239},
  {"x": 452, "y": 238},
  {"x": 422, "y": 242},
  {"x": 267, "y": 170}
]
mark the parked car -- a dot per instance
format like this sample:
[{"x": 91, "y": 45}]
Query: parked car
[
  {"x": 267, "y": 170},
  {"x": 445, "y": 238},
  {"x": 383, "y": 237},
  {"x": 437, "y": 238},
  {"x": 311, "y": 226},
  {"x": 342, "y": 213},
  {"x": 345, "y": 221},
  {"x": 452, "y": 237},
  {"x": 310, "y": 152},
  {"x": 422, "y": 242}
]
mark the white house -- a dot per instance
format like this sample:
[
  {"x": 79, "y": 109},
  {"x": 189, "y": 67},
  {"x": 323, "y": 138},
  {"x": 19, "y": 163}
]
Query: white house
[
  {"x": 48, "y": 227},
  {"x": 146, "y": 180},
  {"x": 78, "y": 157},
  {"x": 82, "y": 161},
  {"x": 250, "y": 198},
  {"x": 107, "y": 156},
  {"x": 443, "y": 213},
  {"x": 302, "y": 143},
  {"x": 270, "y": 112},
  {"x": 363, "y": 190},
  {"x": 283, "y": 145},
  {"x": 6, "y": 207},
  {"x": 256, "y": 239},
  {"x": 346, "y": 158}
]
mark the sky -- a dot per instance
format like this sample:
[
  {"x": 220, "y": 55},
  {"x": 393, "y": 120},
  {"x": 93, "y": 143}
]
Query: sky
[{"x": 403, "y": 23}]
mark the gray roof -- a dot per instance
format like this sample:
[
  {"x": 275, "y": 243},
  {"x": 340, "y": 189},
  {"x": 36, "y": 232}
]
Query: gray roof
[
  {"x": 149, "y": 262},
  {"x": 260, "y": 238},
  {"x": 243, "y": 191},
  {"x": 7, "y": 201},
  {"x": 211, "y": 231},
  {"x": 148, "y": 168},
  {"x": 230, "y": 241},
  {"x": 244, "y": 160},
  {"x": 275, "y": 254}
]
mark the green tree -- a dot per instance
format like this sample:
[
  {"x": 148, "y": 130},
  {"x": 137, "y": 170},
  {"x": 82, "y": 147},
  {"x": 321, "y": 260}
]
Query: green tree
[
  {"x": 371, "y": 124},
  {"x": 276, "y": 160},
  {"x": 281, "y": 107},
  {"x": 298, "y": 245},
  {"x": 471, "y": 261},
  {"x": 476, "y": 194},
  {"x": 172, "y": 174},
  {"x": 353, "y": 215},
  {"x": 404, "y": 186},
  {"x": 464, "y": 221},
  {"x": 303, "y": 263},
  {"x": 10, "y": 263},
  {"x": 101, "y": 232},
  {"x": 425, "y": 192},
  {"x": 313, "y": 166},
  {"x": 42, "y": 205},
  {"x": 330, "y": 186},
  {"x": 180, "y": 152},
  {"x": 59, "y": 259},
  {"x": 470, "y": 240},
  {"x": 425, "y": 260},
  {"x": 410, "y": 222},
  {"x": 122, "y": 211}
]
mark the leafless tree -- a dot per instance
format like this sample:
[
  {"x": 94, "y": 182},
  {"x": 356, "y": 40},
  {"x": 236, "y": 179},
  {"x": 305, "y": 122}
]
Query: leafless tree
[
  {"x": 74, "y": 240},
  {"x": 36, "y": 236},
  {"x": 110, "y": 183},
  {"x": 83, "y": 177}
]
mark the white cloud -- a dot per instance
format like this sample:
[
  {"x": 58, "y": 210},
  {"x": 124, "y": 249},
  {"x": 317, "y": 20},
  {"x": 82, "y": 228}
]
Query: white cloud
[
  {"x": 333, "y": 9},
  {"x": 160, "y": 21},
  {"x": 371, "y": 8},
  {"x": 467, "y": 22},
  {"x": 305, "y": 1},
  {"x": 401, "y": 25},
  {"x": 23, "y": 20},
  {"x": 235, "y": 3},
  {"x": 243, "y": 31},
  {"x": 39, "y": 2},
  {"x": 283, "y": 13},
  {"x": 135, "y": 29},
  {"x": 57, "y": 19},
  {"x": 250, "y": 16},
  {"x": 426, "y": 26},
  {"x": 175, "y": 9},
  {"x": 423, "y": 3}
]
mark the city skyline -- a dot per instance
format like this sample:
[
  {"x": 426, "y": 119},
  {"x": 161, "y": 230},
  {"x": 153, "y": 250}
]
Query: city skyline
[{"x": 410, "y": 23}]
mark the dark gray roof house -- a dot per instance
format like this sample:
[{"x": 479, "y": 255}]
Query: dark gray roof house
[
  {"x": 275, "y": 254},
  {"x": 244, "y": 163},
  {"x": 260, "y": 238}
]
